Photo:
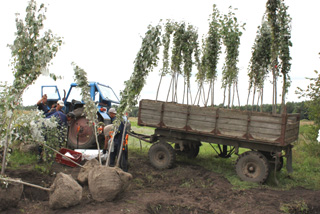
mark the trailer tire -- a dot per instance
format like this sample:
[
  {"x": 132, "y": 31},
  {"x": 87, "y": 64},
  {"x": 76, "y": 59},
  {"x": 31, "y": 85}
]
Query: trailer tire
[
  {"x": 191, "y": 150},
  {"x": 86, "y": 138},
  {"x": 252, "y": 166},
  {"x": 162, "y": 155}
]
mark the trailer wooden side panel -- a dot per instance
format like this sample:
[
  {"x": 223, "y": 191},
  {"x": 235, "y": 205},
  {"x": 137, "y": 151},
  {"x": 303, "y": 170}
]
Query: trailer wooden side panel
[{"x": 251, "y": 126}]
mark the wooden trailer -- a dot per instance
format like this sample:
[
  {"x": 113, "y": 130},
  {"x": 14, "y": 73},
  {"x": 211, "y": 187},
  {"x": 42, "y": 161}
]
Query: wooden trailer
[{"x": 269, "y": 136}]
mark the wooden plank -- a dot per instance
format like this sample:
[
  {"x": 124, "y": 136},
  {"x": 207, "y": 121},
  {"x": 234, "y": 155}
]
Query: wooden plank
[
  {"x": 205, "y": 111},
  {"x": 233, "y": 133},
  {"x": 206, "y": 118},
  {"x": 175, "y": 115},
  {"x": 292, "y": 133},
  {"x": 235, "y": 114},
  {"x": 293, "y": 118},
  {"x": 174, "y": 122},
  {"x": 265, "y": 137},
  {"x": 173, "y": 107},
  {"x": 150, "y": 120},
  {"x": 258, "y": 130},
  {"x": 150, "y": 112},
  {"x": 146, "y": 104},
  {"x": 292, "y": 126},
  {"x": 262, "y": 124},
  {"x": 228, "y": 121},
  {"x": 233, "y": 127},
  {"x": 201, "y": 123},
  {"x": 271, "y": 119}
]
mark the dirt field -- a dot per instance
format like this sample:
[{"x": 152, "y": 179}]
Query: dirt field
[{"x": 183, "y": 189}]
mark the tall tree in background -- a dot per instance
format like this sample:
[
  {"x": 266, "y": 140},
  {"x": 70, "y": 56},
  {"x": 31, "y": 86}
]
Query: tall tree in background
[
  {"x": 231, "y": 33},
  {"x": 312, "y": 93}
]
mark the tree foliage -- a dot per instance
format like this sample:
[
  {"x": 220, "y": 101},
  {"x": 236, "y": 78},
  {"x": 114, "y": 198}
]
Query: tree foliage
[
  {"x": 90, "y": 108},
  {"x": 260, "y": 60},
  {"x": 279, "y": 21},
  {"x": 210, "y": 55},
  {"x": 312, "y": 93},
  {"x": 231, "y": 33},
  {"x": 32, "y": 51},
  {"x": 146, "y": 59}
]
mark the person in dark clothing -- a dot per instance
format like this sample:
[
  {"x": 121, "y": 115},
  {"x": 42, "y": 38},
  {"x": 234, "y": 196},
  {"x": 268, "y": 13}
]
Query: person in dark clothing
[
  {"x": 62, "y": 122},
  {"x": 57, "y": 112},
  {"x": 117, "y": 144},
  {"x": 42, "y": 104}
]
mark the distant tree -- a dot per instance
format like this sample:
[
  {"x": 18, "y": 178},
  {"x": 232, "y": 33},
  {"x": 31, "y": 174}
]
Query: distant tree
[{"x": 312, "y": 93}]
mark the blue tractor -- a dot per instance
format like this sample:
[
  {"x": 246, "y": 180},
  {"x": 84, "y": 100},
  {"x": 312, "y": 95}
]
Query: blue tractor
[{"x": 80, "y": 132}]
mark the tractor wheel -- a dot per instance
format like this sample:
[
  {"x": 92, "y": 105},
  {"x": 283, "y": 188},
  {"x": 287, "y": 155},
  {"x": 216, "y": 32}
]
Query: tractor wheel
[
  {"x": 85, "y": 139},
  {"x": 162, "y": 155},
  {"x": 190, "y": 149},
  {"x": 252, "y": 166}
]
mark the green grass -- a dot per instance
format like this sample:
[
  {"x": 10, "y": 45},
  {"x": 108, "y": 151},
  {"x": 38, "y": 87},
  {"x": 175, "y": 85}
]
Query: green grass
[
  {"x": 18, "y": 159},
  {"x": 306, "y": 161}
]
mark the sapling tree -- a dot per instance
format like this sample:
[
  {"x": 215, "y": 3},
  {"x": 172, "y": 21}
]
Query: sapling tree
[
  {"x": 259, "y": 62},
  {"x": 32, "y": 51},
  {"x": 284, "y": 54},
  {"x": 166, "y": 38},
  {"x": 279, "y": 22},
  {"x": 231, "y": 33},
  {"x": 90, "y": 108},
  {"x": 146, "y": 59},
  {"x": 210, "y": 57}
]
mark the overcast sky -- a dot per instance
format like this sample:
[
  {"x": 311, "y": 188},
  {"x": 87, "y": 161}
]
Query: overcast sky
[{"x": 103, "y": 37}]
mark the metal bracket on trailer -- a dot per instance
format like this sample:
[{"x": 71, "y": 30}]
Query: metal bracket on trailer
[{"x": 289, "y": 159}]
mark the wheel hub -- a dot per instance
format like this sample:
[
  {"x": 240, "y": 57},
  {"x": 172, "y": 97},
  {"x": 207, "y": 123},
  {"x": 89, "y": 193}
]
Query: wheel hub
[{"x": 251, "y": 170}]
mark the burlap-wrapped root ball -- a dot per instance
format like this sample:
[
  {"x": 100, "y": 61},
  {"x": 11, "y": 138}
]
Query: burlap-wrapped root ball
[
  {"x": 65, "y": 192},
  {"x": 83, "y": 174},
  {"x": 10, "y": 195},
  {"x": 106, "y": 183}
]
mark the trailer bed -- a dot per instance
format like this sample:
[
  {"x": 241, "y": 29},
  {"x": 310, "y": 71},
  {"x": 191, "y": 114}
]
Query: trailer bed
[{"x": 255, "y": 127}]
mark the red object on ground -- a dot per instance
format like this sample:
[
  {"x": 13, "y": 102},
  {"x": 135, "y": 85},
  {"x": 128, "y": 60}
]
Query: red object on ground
[{"x": 76, "y": 157}]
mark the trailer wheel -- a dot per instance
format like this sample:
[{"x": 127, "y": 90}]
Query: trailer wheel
[
  {"x": 252, "y": 166},
  {"x": 191, "y": 150},
  {"x": 86, "y": 137},
  {"x": 162, "y": 155}
]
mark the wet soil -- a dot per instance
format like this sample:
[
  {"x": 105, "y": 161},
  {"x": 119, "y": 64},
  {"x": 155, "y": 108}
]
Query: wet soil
[{"x": 183, "y": 189}]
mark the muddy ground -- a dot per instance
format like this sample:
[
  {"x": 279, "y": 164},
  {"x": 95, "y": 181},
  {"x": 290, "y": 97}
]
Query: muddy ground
[{"x": 183, "y": 189}]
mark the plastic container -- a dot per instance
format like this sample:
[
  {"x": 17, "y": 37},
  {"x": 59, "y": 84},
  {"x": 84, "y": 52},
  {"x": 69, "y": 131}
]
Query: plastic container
[{"x": 73, "y": 155}]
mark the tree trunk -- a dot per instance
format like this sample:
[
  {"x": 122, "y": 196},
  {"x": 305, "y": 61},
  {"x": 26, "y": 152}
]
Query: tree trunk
[
  {"x": 158, "y": 87},
  {"x": 238, "y": 94},
  {"x": 283, "y": 102},
  {"x": 6, "y": 145},
  {"x": 169, "y": 89}
]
